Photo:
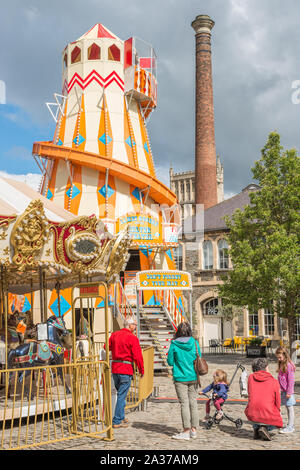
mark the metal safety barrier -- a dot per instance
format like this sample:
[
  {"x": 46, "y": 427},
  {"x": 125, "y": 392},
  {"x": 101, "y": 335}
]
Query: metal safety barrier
[
  {"x": 141, "y": 388},
  {"x": 42, "y": 405}
]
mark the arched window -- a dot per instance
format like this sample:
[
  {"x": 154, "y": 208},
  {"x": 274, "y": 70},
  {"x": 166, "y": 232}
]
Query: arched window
[
  {"x": 114, "y": 53},
  {"x": 211, "y": 307},
  {"x": 76, "y": 55},
  {"x": 223, "y": 254},
  {"x": 94, "y": 52},
  {"x": 65, "y": 60},
  {"x": 207, "y": 254}
]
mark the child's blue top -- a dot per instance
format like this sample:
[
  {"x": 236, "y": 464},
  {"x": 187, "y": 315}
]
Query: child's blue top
[{"x": 220, "y": 389}]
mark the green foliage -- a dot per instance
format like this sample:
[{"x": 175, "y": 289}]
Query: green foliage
[
  {"x": 255, "y": 341},
  {"x": 264, "y": 237}
]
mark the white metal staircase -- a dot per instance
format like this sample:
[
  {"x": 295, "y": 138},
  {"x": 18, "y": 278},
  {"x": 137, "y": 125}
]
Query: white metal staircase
[{"x": 157, "y": 325}]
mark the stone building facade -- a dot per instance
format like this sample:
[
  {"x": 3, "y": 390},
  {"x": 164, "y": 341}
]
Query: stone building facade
[
  {"x": 183, "y": 185},
  {"x": 206, "y": 259}
]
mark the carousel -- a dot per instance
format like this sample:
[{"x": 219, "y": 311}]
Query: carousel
[{"x": 42, "y": 248}]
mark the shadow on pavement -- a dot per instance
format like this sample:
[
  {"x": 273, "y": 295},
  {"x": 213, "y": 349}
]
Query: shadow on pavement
[{"x": 154, "y": 427}]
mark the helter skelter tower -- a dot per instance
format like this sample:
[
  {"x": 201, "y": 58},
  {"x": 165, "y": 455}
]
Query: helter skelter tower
[{"x": 100, "y": 160}]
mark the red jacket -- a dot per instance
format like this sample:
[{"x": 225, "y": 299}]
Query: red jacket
[
  {"x": 264, "y": 399},
  {"x": 125, "y": 345}
]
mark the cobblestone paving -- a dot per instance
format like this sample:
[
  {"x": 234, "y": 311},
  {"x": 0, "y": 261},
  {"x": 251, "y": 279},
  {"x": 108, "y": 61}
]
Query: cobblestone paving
[{"x": 152, "y": 429}]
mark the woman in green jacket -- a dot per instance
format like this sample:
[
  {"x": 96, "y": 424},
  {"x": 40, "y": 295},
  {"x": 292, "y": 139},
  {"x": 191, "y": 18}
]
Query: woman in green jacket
[{"x": 181, "y": 357}]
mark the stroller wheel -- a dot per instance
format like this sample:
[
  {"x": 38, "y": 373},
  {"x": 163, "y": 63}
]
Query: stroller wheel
[
  {"x": 239, "y": 423},
  {"x": 209, "y": 424}
]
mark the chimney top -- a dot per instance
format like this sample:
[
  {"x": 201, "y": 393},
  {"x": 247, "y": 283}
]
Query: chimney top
[{"x": 203, "y": 24}]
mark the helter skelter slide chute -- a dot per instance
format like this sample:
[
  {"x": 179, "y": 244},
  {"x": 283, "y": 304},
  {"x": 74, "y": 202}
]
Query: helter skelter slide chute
[{"x": 100, "y": 159}]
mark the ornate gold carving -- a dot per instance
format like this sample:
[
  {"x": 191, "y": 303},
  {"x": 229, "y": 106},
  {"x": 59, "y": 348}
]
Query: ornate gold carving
[
  {"x": 80, "y": 262},
  {"x": 118, "y": 256},
  {"x": 82, "y": 246},
  {"x": 29, "y": 235}
]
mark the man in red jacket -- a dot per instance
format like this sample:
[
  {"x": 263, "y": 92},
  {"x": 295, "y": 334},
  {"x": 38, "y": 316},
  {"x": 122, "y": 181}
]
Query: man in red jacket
[
  {"x": 126, "y": 350},
  {"x": 263, "y": 407}
]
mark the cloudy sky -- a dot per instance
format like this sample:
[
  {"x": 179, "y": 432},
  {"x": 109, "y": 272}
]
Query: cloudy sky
[{"x": 256, "y": 52}]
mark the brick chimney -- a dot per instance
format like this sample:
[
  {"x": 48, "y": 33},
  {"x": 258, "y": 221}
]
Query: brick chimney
[{"x": 205, "y": 149}]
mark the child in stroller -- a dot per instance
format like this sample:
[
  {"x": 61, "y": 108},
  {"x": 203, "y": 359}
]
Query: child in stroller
[{"x": 219, "y": 388}]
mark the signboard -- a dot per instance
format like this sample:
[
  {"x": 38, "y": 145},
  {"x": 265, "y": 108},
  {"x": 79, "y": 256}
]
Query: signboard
[
  {"x": 148, "y": 229},
  {"x": 89, "y": 290},
  {"x": 164, "y": 280},
  {"x": 256, "y": 351},
  {"x": 141, "y": 227},
  {"x": 130, "y": 286}
]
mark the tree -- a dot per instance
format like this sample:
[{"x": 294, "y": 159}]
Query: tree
[{"x": 264, "y": 238}]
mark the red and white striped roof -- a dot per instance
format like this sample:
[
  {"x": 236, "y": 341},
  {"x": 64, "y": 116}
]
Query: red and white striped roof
[{"x": 98, "y": 31}]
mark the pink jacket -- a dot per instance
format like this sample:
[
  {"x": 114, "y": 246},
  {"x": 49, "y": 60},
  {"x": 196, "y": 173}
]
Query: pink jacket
[{"x": 287, "y": 379}]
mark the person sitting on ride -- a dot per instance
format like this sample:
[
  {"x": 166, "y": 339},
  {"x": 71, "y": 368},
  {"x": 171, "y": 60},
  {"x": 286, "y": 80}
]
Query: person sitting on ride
[{"x": 219, "y": 388}]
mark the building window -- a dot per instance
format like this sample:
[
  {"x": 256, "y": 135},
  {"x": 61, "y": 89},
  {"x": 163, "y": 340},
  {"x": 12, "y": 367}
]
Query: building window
[
  {"x": 211, "y": 307},
  {"x": 179, "y": 257},
  {"x": 114, "y": 53},
  {"x": 182, "y": 191},
  {"x": 253, "y": 323},
  {"x": 188, "y": 190},
  {"x": 76, "y": 55},
  {"x": 207, "y": 255},
  {"x": 269, "y": 322},
  {"x": 223, "y": 254},
  {"x": 94, "y": 52},
  {"x": 297, "y": 328}
]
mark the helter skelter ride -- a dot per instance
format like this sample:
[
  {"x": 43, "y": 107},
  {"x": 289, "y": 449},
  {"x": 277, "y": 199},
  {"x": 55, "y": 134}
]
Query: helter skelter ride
[
  {"x": 100, "y": 159},
  {"x": 44, "y": 247},
  {"x": 98, "y": 167}
]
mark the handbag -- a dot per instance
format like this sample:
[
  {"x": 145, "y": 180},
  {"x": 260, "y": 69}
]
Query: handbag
[{"x": 200, "y": 366}]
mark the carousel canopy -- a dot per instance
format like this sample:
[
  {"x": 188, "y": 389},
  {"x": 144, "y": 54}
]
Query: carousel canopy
[
  {"x": 15, "y": 197},
  {"x": 41, "y": 242}
]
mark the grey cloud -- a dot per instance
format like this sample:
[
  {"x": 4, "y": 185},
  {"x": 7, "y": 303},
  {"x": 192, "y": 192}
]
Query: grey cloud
[{"x": 255, "y": 51}]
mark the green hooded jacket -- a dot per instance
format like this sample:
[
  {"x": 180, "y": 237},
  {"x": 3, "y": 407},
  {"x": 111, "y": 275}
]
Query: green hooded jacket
[{"x": 181, "y": 356}]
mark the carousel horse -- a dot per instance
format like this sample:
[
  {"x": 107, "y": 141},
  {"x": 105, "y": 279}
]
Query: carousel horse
[
  {"x": 19, "y": 328},
  {"x": 83, "y": 341},
  {"x": 42, "y": 353}
]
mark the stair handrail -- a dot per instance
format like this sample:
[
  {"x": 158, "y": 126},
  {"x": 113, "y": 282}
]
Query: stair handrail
[
  {"x": 165, "y": 309},
  {"x": 127, "y": 303},
  {"x": 173, "y": 312}
]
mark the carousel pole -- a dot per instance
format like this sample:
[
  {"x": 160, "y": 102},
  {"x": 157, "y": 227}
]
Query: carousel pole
[
  {"x": 45, "y": 296},
  {"x": 81, "y": 312},
  {"x": 41, "y": 295},
  {"x": 57, "y": 288},
  {"x": 5, "y": 299},
  {"x": 1, "y": 299},
  {"x": 110, "y": 433},
  {"x": 31, "y": 301}
]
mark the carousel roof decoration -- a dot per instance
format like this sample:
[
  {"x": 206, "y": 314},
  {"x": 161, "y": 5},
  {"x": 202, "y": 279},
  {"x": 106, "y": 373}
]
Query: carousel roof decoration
[{"x": 63, "y": 248}]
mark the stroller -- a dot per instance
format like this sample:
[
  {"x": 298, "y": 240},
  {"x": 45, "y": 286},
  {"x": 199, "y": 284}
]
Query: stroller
[{"x": 238, "y": 422}]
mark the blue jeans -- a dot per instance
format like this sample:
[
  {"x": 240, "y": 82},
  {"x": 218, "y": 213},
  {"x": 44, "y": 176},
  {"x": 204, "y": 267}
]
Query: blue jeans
[
  {"x": 269, "y": 427},
  {"x": 122, "y": 383}
]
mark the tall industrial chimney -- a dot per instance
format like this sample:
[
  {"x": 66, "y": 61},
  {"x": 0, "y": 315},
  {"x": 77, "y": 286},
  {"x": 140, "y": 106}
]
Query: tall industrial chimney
[{"x": 205, "y": 149}]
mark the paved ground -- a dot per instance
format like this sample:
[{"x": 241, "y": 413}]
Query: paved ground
[{"x": 152, "y": 429}]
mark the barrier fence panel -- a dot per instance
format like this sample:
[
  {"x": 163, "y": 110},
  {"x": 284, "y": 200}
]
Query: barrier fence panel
[
  {"x": 141, "y": 388},
  {"x": 41, "y": 405}
]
